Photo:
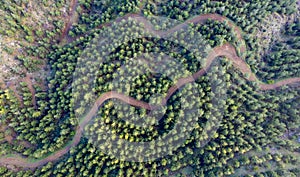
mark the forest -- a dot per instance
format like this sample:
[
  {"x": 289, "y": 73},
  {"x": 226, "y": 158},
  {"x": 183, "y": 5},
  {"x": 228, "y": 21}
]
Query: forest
[{"x": 150, "y": 88}]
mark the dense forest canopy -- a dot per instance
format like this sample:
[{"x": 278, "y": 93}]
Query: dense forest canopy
[{"x": 150, "y": 88}]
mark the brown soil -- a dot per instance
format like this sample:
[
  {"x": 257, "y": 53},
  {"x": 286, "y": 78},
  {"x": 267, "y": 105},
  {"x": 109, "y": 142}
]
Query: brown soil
[
  {"x": 7, "y": 138},
  {"x": 279, "y": 83},
  {"x": 226, "y": 50},
  {"x": 27, "y": 79},
  {"x": 69, "y": 20},
  {"x": 12, "y": 86},
  {"x": 12, "y": 136},
  {"x": 2, "y": 85}
]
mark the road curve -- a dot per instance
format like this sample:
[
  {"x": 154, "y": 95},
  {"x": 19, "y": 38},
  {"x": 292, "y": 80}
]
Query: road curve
[{"x": 226, "y": 50}]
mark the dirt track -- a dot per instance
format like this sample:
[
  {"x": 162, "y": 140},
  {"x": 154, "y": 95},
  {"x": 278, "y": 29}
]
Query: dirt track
[
  {"x": 69, "y": 20},
  {"x": 31, "y": 89},
  {"x": 226, "y": 50}
]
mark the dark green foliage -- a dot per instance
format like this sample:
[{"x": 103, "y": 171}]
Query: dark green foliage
[
  {"x": 283, "y": 60},
  {"x": 227, "y": 129}
]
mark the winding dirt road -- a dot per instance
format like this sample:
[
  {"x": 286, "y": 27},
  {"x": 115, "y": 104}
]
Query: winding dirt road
[{"x": 226, "y": 50}]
